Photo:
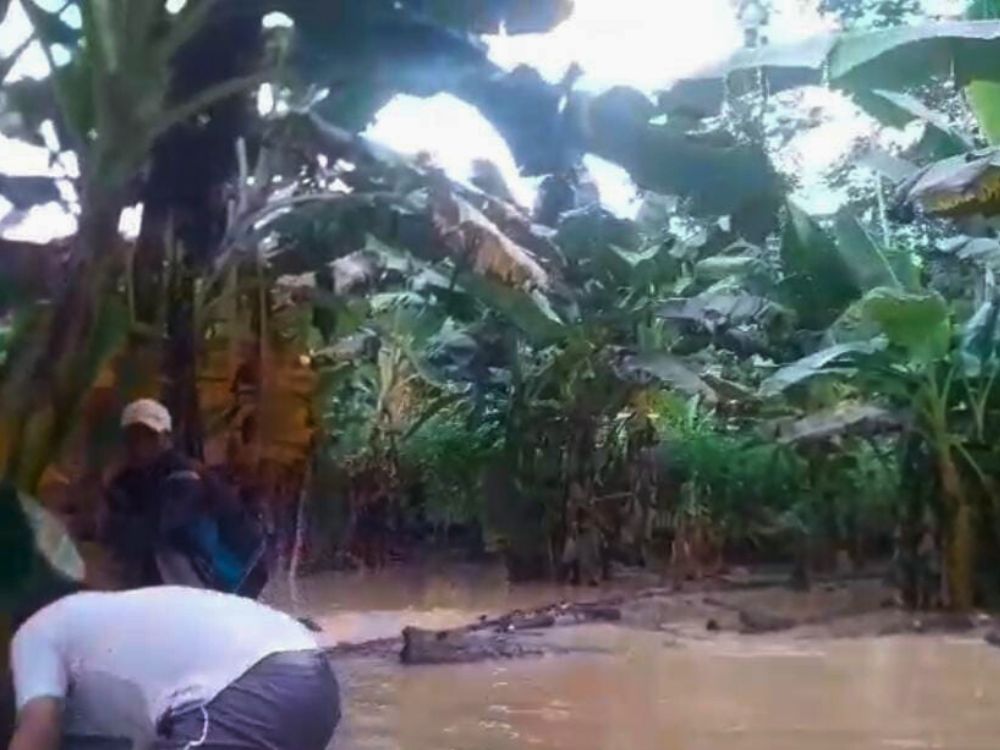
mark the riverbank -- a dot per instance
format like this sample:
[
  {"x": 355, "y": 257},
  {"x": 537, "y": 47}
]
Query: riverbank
[
  {"x": 859, "y": 608},
  {"x": 678, "y": 669},
  {"x": 449, "y": 614}
]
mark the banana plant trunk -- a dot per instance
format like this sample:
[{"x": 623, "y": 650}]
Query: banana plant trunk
[
  {"x": 59, "y": 371},
  {"x": 959, "y": 558}
]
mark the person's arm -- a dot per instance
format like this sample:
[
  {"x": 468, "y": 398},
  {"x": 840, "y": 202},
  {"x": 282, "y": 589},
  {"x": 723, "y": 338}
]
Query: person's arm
[
  {"x": 40, "y": 685},
  {"x": 126, "y": 532},
  {"x": 182, "y": 503},
  {"x": 39, "y": 725}
]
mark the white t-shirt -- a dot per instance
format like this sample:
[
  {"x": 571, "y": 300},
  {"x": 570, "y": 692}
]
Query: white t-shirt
[{"x": 121, "y": 660}]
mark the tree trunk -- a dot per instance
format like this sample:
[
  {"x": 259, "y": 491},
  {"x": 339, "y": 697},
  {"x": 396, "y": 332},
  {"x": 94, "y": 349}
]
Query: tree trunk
[
  {"x": 958, "y": 593},
  {"x": 61, "y": 370},
  {"x": 181, "y": 362}
]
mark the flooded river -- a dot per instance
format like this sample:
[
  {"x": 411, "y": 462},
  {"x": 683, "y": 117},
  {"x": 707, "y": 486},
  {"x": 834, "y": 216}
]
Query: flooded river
[{"x": 635, "y": 690}]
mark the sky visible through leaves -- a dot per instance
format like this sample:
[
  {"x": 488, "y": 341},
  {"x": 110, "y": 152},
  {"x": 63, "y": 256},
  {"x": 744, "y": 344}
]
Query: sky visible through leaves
[{"x": 641, "y": 43}]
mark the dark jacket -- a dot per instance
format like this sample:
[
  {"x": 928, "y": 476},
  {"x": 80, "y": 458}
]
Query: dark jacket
[
  {"x": 172, "y": 510},
  {"x": 149, "y": 508}
]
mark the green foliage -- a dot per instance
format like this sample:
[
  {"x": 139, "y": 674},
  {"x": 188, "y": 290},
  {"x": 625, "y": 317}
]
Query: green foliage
[
  {"x": 852, "y": 498},
  {"x": 941, "y": 139},
  {"x": 868, "y": 14},
  {"x": 864, "y": 257},
  {"x": 818, "y": 283},
  {"x": 890, "y": 59},
  {"x": 450, "y": 455},
  {"x": 459, "y": 339},
  {"x": 765, "y": 493},
  {"x": 719, "y": 175},
  {"x": 919, "y": 323},
  {"x": 741, "y": 483}
]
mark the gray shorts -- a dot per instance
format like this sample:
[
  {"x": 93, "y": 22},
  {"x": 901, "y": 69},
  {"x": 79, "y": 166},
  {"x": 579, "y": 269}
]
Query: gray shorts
[{"x": 288, "y": 701}]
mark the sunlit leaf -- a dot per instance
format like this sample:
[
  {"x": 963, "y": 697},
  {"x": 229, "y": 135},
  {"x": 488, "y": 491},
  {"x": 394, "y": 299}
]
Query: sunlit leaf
[
  {"x": 832, "y": 360},
  {"x": 917, "y": 322},
  {"x": 897, "y": 109},
  {"x": 961, "y": 185},
  {"x": 891, "y": 59},
  {"x": 673, "y": 372},
  {"x": 981, "y": 338},
  {"x": 984, "y": 97},
  {"x": 841, "y": 421}
]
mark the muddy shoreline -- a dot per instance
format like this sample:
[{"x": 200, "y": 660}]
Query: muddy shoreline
[{"x": 842, "y": 608}]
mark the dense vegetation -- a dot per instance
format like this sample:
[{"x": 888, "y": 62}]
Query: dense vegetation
[{"x": 726, "y": 374}]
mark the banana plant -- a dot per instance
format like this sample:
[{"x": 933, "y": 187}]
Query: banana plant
[
  {"x": 908, "y": 355},
  {"x": 857, "y": 62},
  {"x": 882, "y": 70},
  {"x": 111, "y": 102}
]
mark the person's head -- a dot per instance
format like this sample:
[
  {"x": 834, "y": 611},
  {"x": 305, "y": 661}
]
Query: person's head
[{"x": 147, "y": 425}]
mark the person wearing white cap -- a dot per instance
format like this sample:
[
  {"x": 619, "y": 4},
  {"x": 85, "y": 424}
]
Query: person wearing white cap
[
  {"x": 153, "y": 478},
  {"x": 167, "y": 521},
  {"x": 147, "y": 425}
]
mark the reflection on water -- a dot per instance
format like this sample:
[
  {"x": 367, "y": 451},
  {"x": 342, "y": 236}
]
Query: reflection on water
[{"x": 648, "y": 691}]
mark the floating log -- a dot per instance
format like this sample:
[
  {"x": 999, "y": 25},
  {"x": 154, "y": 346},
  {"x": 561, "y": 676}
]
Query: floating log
[
  {"x": 459, "y": 647},
  {"x": 764, "y": 622}
]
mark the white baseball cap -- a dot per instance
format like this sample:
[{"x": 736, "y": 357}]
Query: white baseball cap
[{"x": 149, "y": 413}]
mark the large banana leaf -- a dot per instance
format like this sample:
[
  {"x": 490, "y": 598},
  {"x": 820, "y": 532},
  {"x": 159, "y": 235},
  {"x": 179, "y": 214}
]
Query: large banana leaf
[
  {"x": 917, "y": 322},
  {"x": 365, "y": 57},
  {"x": 981, "y": 251},
  {"x": 819, "y": 283},
  {"x": 713, "y": 309},
  {"x": 841, "y": 359},
  {"x": 980, "y": 339},
  {"x": 866, "y": 261},
  {"x": 468, "y": 16},
  {"x": 529, "y": 311},
  {"x": 52, "y": 540},
  {"x": 983, "y": 95},
  {"x": 890, "y": 59},
  {"x": 673, "y": 372},
  {"x": 476, "y": 242},
  {"x": 494, "y": 16},
  {"x": 842, "y": 421},
  {"x": 721, "y": 267},
  {"x": 984, "y": 98},
  {"x": 961, "y": 185},
  {"x": 952, "y": 188},
  {"x": 898, "y": 109},
  {"x": 35, "y": 544},
  {"x": 586, "y": 232},
  {"x": 782, "y": 67},
  {"x": 718, "y": 175},
  {"x": 39, "y": 434}
]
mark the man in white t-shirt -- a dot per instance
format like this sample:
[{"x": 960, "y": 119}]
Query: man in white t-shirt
[{"x": 169, "y": 668}]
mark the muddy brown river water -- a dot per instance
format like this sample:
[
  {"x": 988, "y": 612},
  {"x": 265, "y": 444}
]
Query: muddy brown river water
[{"x": 639, "y": 690}]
